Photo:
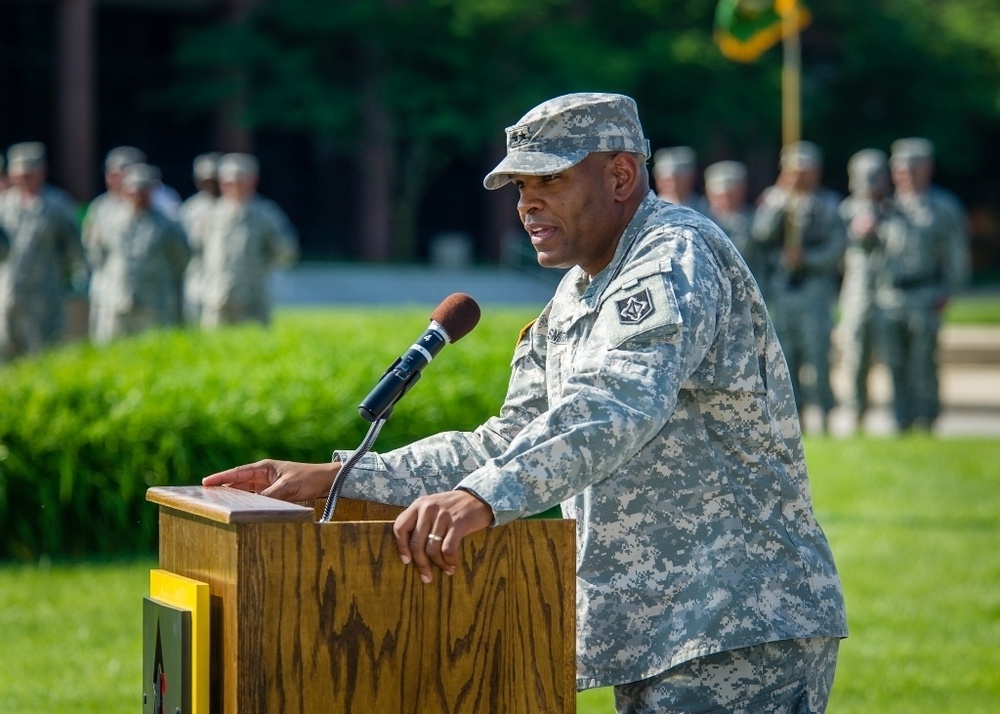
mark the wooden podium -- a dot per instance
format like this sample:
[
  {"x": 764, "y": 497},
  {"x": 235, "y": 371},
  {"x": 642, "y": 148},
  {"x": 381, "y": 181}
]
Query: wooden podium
[{"x": 312, "y": 617}]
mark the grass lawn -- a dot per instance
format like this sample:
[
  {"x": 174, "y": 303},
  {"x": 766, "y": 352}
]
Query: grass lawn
[{"x": 915, "y": 527}]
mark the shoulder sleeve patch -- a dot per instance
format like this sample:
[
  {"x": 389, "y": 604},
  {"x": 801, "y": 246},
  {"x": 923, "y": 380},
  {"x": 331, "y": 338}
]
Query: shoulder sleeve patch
[{"x": 641, "y": 311}]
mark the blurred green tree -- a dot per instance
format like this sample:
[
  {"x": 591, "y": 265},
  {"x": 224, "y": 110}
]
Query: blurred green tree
[{"x": 406, "y": 86}]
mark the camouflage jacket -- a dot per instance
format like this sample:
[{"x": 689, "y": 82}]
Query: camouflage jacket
[
  {"x": 924, "y": 252},
  {"x": 240, "y": 245},
  {"x": 812, "y": 220},
  {"x": 652, "y": 402},
  {"x": 142, "y": 257},
  {"x": 44, "y": 249}
]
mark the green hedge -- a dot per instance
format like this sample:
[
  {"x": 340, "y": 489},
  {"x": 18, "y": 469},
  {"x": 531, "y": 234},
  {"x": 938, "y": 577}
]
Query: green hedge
[{"x": 84, "y": 431}]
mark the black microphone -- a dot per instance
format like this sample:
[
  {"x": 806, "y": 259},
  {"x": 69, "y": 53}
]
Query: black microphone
[{"x": 452, "y": 320}]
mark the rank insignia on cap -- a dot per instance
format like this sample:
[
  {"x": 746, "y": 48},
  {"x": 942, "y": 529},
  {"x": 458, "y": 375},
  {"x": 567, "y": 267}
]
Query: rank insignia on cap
[
  {"x": 635, "y": 308},
  {"x": 518, "y": 135}
]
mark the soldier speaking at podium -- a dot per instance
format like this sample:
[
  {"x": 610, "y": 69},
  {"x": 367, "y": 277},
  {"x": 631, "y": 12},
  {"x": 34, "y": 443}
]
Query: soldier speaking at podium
[{"x": 651, "y": 400}]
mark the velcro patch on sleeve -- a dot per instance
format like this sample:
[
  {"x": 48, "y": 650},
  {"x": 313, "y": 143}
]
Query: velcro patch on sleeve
[{"x": 642, "y": 310}]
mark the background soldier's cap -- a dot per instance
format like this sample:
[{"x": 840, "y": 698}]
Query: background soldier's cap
[
  {"x": 233, "y": 167},
  {"x": 121, "y": 156},
  {"x": 801, "y": 156},
  {"x": 910, "y": 150},
  {"x": 674, "y": 160},
  {"x": 139, "y": 177},
  {"x": 560, "y": 133},
  {"x": 867, "y": 162},
  {"x": 26, "y": 156},
  {"x": 724, "y": 174},
  {"x": 206, "y": 166}
]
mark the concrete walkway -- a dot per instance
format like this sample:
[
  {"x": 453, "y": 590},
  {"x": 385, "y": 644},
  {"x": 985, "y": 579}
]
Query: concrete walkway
[{"x": 969, "y": 355}]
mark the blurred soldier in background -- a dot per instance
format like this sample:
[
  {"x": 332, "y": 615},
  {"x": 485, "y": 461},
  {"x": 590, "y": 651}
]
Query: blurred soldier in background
[
  {"x": 802, "y": 237},
  {"x": 101, "y": 217},
  {"x": 53, "y": 194},
  {"x": 863, "y": 212},
  {"x": 925, "y": 260},
  {"x": 142, "y": 257},
  {"x": 43, "y": 258},
  {"x": 195, "y": 215},
  {"x": 247, "y": 237},
  {"x": 726, "y": 194},
  {"x": 675, "y": 170}
]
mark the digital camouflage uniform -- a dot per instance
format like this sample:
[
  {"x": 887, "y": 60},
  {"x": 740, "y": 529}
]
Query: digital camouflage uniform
[
  {"x": 722, "y": 177},
  {"x": 195, "y": 215},
  {"x": 102, "y": 215},
  {"x": 243, "y": 243},
  {"x": 141, "y": 256},
  {"x": 654, "y": 404},
  {"x": 801, "y": 300},
  {"x": 44, "y": 252},
  {"x": 924, "y": 260},
  {"x": 863, "y": 212}
]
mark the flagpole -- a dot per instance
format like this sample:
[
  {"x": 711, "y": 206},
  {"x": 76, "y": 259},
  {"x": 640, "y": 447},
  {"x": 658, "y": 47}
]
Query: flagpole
[{"x": 791, "y": 73}]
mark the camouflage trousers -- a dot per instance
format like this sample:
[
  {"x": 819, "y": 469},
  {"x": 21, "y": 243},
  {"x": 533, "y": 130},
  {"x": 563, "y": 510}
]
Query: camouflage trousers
[{"x": 788, "y": 677}]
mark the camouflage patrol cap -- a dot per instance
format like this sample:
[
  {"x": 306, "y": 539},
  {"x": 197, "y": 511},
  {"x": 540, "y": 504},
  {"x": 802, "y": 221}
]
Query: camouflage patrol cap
[
  {"x": 723, "y": 174},
  {"x": 206, "y": 166},
  {"x": 560, "y": 133},
  {"x": 233, "y": 167},
  {"x": 911, "y": 150},
  {"x": 26, "y": 156},
  {"x": 801, "y": 156},
  {"x": 139, "y": 177},
  {"x": 867, "y": 162},
  {"x": 121, "y": 156},
  {"x": 674, "y": 160}
]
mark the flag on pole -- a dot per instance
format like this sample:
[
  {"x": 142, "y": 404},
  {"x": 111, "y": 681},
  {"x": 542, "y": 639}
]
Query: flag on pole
[{"x": 746, "y": 29}]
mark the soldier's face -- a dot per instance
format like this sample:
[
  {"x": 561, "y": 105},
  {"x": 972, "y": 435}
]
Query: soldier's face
[
  {"x": 571, "y": 216},
  {"x": 911, "y": 176},
  {"x": 680, "y": 184},
  {"x": 28, "y": 180},
  {"x": 238, "y": 189},
  {"x": 727, "y": 199}
]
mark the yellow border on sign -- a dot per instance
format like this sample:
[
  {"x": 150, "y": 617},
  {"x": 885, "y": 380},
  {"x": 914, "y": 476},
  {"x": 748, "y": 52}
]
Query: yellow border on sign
[{"x": 191, "y": 595}]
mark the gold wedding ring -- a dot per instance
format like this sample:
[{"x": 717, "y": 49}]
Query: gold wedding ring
[{"x": 435, "y": 537}]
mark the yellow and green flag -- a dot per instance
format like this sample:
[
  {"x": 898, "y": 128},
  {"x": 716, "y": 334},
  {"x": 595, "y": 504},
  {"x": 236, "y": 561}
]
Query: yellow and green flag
[{"x": 746, "y": 29}]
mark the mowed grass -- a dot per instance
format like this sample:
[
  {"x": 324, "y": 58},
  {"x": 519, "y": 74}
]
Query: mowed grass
[{"x": 915, "y": 528}]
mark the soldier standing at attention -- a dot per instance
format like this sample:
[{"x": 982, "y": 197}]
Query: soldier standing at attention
[
  {"x": 675, "y": 170},
  {"x": 248, "y": 236},
  {"x": 142, "y": 259},
  {"x": 43, "y": 257},
  {"x": 925, "y": 260},
  {"x": 650, "y": 399},
  {"x": 801, "y": 234},
  {"x": 101, "y": 218},
  {"x": 195, "y": 217},
  {"x": 726, "y": 193},
  {"x": 863, "y": 213}
]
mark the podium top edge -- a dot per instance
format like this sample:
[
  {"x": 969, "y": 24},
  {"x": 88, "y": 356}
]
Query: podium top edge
[{"x": 228, "y": 505}]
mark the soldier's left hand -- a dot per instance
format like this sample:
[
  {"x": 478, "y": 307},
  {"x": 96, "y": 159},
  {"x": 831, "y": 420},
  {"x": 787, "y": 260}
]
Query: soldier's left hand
[{"x": 432, "y": 528}]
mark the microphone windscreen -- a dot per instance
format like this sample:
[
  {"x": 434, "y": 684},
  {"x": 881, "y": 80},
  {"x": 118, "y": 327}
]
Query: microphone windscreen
[{"x": 457, "y": 314}]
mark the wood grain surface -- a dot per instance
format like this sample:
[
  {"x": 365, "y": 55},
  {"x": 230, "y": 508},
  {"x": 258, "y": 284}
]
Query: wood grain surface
[{"x": 311, "y": 617}]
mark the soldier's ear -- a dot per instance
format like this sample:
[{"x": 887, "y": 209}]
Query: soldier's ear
[{"x": 625, "y": 169}]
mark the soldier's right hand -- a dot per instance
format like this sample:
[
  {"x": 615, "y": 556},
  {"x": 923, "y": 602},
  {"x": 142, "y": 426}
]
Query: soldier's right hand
[{"x": 286, "y": 480}]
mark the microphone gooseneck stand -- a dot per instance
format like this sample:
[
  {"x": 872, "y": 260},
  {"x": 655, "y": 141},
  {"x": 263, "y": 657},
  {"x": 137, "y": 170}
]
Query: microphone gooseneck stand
[{"x": 364, "y": 448}]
